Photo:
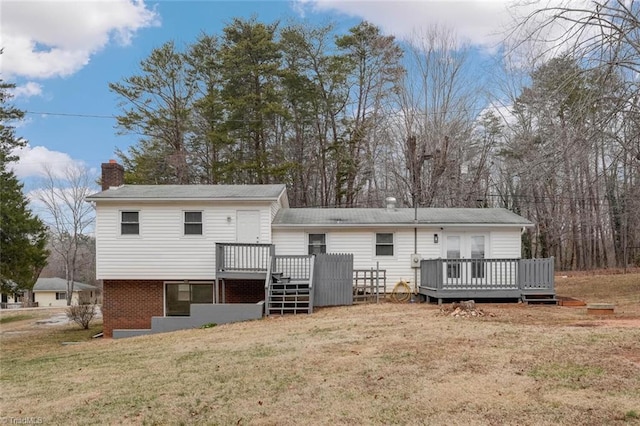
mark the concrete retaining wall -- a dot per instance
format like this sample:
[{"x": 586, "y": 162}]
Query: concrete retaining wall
[{"x": 201, "y": 314}]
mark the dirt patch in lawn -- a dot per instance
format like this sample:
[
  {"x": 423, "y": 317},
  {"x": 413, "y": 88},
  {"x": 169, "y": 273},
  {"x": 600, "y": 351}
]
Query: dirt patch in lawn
[
  {"x": 21, "y": 322},
  {"x": 27, "y": 320}
]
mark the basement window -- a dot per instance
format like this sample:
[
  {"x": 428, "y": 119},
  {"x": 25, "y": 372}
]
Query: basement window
[
  {"x": 180, "y": 296},
  {"x": 129, "y": 223},
  {"x": 192, "y": 223},
  {"x": 384, "y": 244}
]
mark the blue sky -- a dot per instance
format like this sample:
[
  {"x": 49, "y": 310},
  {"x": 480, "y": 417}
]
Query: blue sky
[{"x": 62, "y": 55}]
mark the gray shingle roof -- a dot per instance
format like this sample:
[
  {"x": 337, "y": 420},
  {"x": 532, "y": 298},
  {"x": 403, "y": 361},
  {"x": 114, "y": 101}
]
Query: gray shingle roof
[
  {"x": 59, "y": 284},
  {"x": 401, "y": 216},
  {"x": 190, "y": 192}
]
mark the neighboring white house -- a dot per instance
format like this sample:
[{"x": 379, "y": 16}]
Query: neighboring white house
[
  {"x": 13, "y": 298},
  {"x": 50, "y": 292},
  {"x": 53, "y": 292}
]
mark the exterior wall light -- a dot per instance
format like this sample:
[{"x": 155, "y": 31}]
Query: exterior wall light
[{"x": 435, "y": 238}]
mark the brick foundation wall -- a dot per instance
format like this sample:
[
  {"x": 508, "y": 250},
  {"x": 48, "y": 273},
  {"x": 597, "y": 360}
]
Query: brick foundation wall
[
  {"x": 130, "y": 304},
  {"x": 243, "y": 291}
]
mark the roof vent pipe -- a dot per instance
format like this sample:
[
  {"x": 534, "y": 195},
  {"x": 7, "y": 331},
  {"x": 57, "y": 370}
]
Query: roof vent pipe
[{"x": 390, "y": 203}]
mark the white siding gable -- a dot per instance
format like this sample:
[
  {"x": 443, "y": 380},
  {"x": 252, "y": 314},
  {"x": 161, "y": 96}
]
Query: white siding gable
[{"x": 161, "y": 250}]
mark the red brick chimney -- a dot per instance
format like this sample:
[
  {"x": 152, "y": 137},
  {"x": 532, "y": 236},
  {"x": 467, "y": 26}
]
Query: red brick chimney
[{"x": 112, "y": 174}]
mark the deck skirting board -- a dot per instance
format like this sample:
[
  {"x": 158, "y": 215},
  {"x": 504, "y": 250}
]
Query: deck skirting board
[{"x": 471, "y": 293}]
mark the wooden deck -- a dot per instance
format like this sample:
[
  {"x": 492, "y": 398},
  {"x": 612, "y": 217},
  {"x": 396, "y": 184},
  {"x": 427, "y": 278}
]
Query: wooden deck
[
  {"x": 288, "y": 280},
  {"x": 526, "y": 279},
  {"x": 241, "y": 261}
]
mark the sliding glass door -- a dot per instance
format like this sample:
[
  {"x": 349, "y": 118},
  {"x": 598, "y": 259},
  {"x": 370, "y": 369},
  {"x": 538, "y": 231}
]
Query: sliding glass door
[{"x": 180, "y": 296}]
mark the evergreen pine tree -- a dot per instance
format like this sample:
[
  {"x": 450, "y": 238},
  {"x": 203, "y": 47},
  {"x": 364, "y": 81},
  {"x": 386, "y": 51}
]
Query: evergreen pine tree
[{"x": 23, "y": 236}]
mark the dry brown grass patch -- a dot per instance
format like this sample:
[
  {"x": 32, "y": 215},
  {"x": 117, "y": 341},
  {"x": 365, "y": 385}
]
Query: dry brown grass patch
[{"x": 368, "y": 364}]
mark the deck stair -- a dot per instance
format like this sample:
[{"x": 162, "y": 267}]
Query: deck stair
[
  {"x": 546, "y": 299},
  {"x": 288, "y": 297},
  {"x": 288, "y": 288}
]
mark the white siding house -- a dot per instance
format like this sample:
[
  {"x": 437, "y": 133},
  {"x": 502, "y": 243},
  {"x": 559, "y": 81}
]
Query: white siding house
[
  {"x": 390, "y": 238},
  {"x": 156, "y": 245},
  {"x": 169, "y": 232},
  {"x": 53, "y": 292}
]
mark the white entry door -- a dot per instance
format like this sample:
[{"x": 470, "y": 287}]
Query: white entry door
[
  {"x": 248, "y": 226},
  {"x": 470, "y": 247}
]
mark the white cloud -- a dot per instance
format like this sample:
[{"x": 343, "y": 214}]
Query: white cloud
[
  {"x": 502, "y": 111},
  {"x": 33, "y": 160},
  {"x": 477, "y": 22},
  {"x": 27, "y": 90},
  {"x": 551, "y": 29},
  {"x": 56, "y": 38}
]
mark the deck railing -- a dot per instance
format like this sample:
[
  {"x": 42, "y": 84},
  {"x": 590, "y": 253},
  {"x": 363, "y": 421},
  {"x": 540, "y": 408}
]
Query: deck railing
[
  {"x": 296, "y": 268},
  {"x": 289, "y": 284},
  {"x": 243, "y": 257},
  {"x": 487, "y": 274},
  {"x": 536, "y": 274}
]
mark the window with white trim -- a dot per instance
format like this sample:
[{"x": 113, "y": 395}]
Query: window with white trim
[
  {"x": 384, "y": 244},
  {"x": 61, "y": 295},
  {"x": 317, "y": 243},
  {"x": 130, "y": 223},
  {"x": 192, "y": 223}
]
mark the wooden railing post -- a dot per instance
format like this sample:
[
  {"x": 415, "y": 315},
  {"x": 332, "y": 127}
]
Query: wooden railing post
[
  {"x": 311, "y": 290},
  {"x": 267, "y": 289},
  {"x": 219, "y": 255}
]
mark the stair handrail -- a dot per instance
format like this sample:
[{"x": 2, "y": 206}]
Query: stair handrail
[
  {"x": 267, "y": 286},
  {"x": 312, "y": 262}
]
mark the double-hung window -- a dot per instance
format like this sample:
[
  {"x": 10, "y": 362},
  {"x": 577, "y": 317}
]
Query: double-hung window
[
  {"x": 317, "y": 243},
  {"x": 130, "y": 223},
  {"x": 192, "y": 223},
  {"x": 384, "y": 244}
]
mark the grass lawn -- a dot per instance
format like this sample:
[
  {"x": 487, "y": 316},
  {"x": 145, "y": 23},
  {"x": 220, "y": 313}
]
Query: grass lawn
[{"x": 367, "y": 364}]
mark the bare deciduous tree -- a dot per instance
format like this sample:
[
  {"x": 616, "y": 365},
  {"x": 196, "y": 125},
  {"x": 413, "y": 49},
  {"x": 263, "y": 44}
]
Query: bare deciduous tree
[
  {"x": 438, "y": 108},
  {"x": 603, "y": 35},
  {"x": 68, "y": 215},
  {"x": 586, "y": 207},
  {"x": 82, "y": 313}
]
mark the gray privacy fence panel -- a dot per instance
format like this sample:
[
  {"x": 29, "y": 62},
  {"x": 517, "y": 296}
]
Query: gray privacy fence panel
[{"x": 333, "y": 280}]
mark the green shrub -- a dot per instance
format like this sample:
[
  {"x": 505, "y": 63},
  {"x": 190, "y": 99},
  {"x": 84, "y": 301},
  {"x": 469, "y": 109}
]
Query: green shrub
[{"x": 208, "y": 325}]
